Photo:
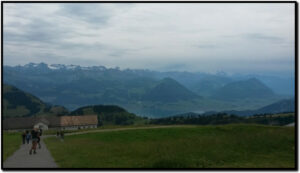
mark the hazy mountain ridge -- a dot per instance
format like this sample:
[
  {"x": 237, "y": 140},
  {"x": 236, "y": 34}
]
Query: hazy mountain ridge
[
  {"x": 145, "y": 92},
  {"x": 169, "y": 90},
  {"x": 14, "y": 99},
  {"x": 250, "y": 88},
  {"x": 285, "y": 105},
  {"x": 191, "y": 80},
  {"x": 17, "y": 103},
  {"x": 20, "y": 104},
  {"x": 208, "y": 85}
]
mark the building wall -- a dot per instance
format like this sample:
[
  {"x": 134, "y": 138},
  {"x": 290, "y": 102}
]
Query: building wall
[
  {"x": 78, "y": 127},
  {"x": 17, "y": 130},
  {"x": 56, "y": 128}
]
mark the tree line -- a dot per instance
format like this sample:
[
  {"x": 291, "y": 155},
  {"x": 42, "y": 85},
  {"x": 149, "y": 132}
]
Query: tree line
[{"x": 224, "y": 118}]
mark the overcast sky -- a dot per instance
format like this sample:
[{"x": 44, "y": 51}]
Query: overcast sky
[{"x": 235, "y": 38}]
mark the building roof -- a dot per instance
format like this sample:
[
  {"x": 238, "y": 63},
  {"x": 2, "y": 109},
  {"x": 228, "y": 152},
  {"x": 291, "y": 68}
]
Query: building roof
[
  {"x": 54, "y": 121},
  {"x": 79, "y": 120},
  {"x": 51, "y": 121},
  {"x": 18, "y": 123}
]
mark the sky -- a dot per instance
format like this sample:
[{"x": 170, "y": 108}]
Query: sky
[{"x": 197, "y": 37}]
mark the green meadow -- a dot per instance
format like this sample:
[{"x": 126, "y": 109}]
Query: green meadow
[
  {"x": 224, "y": 146},
  {"x": 105, "y": 127},
  {"x": 11, "y": 142}
]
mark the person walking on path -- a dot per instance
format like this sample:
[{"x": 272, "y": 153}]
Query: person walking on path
[
  {"x": 41, "y": 131},
  {"x": 23, "y": 137},
  {"x": 22, "y": 160},
  {"x": 28, "y": 136},
  {"x": 39, "y": 138},
  {"x": 34, "y": 134},
  {"x": 62, "y": 135}
]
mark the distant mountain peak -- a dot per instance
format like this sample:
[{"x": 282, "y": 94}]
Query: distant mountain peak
[
  {"x": 56, "y": 66},
  {"x": 169, "y": 90},
  {"x": 29, "y": 65},
  {"x": 169, "y": 80},
  {"x": 45, "y": 66},
  {"x": 250, "y": 88},
  {"x": 16, "y": 100},
  {"x": 253, "y": 79}
]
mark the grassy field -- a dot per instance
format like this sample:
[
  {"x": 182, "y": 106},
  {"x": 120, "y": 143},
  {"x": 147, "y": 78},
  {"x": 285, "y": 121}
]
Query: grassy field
[
  {"x": 11, "y": 142},
  {"x": 229, "y": 146},
  {"x": 53, "y": 132}
]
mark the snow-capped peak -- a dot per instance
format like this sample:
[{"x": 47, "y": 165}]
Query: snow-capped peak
[
  {"x": 31, "y": 65},
  {"x": 72, "y": 67},
  {"x": 63, "y": 67},
  {"x": 56, "y": 66},
  {"x": 52, "y": 67}
]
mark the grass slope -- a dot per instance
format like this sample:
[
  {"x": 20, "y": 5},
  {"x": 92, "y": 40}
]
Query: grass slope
[
  {"x": 230, "y": 146},
  {"x": 17, "y": 103},
  {"x": 11, "y": 142},
  {"x": 109, "y": 114}
]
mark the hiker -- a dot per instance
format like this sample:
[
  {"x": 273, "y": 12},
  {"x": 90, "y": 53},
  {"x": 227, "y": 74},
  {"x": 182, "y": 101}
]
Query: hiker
[
  {"x": 34, "y": 135},
  {"x": 28, "y": 136},
  {"x": 39, "y": 138},
  {"x": 23, "y": 137},
  {"x": 62, "y": 135},
  {"x": 41, "y": 131}
]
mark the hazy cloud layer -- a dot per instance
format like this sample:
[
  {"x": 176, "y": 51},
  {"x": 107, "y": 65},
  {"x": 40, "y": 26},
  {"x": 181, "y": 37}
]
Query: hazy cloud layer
[{"x": 244, "y": 38}]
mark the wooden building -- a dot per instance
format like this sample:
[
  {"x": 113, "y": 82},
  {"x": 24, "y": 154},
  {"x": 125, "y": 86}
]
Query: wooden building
[
  {"x": 78, "y": 122},
  {"x": 51, "y": 122}
]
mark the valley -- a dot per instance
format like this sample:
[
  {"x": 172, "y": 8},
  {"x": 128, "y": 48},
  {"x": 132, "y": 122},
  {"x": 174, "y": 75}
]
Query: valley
[
  {"x": 170, "y": 127},
  {"x": 143, "y": 92},
  {"x": 138, "y": 85}
]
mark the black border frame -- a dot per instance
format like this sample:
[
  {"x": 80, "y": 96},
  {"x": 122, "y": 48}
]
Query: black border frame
[{"x": 160, "y": 169}]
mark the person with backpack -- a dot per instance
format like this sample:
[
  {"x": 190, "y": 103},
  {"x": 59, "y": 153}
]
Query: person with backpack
[
  {"x": 34, "y": 136},
  {"x": 28, "y": 136},
  {"x": 39, "y": 138},
  {"x": 62, "y": 135}
]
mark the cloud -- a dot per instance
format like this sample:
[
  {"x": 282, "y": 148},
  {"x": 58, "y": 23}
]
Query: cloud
[
  {"x": 258, "y": 36},
  {"x": 205, "y": 46},
  {"x": 193, "y": 37},
  {"x": 94, "y": 14}
]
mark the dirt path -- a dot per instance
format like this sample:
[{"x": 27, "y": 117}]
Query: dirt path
[
  {"x": 122, "y": 129},
  {"x": 290, "y": 125},
  {"x": 43, "y": 158},
  {"x": 22, "y": 159}
]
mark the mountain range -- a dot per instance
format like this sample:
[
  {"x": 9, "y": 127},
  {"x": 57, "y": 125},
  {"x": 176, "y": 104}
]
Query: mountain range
[
  {"x": 17, "y": 103},
  {"x": 250, "y": 88},
  {"x": 169, "y": 90},
  {"x": 143, "y": 92},
  {"x": 282, "y": 106}
]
